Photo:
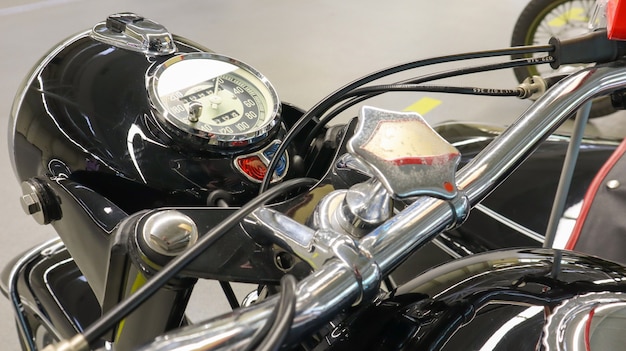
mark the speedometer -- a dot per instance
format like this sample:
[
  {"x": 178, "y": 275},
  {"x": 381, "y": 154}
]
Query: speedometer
[{"x": 213, "y": 99}]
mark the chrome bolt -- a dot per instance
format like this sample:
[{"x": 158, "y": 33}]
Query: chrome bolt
[
  {"x": 195, "y": 111},
  {"x": 250, "y": 299},
  {"x": 30, "y": 204},
  {"x": 169, "y": 232},
  {"x": 613, "y": 184}
]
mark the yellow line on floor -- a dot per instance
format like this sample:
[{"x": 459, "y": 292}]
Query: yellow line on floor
[{"x": 423, "y": 105}]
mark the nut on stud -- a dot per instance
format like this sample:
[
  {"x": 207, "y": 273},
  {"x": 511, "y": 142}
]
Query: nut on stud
[
  {"x": 30, "y": 203},
  {"x": 39, "y": 201}
]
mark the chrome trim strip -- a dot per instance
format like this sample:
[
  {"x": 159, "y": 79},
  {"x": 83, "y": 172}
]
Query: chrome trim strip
[
  {"x": 22, "y": 324},
  {"x": 509, "y": 223},
  {"x": 52, "y": 293}
]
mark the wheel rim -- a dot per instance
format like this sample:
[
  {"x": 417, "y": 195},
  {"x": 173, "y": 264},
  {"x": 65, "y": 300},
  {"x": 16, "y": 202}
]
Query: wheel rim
[{"x": 562, "y": 19}]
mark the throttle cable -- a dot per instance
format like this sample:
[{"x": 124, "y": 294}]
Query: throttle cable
[
  {"x": 274, "y": 331},
  {"x": 426, "y": 78},
  {"x": 336, "y": 96}
]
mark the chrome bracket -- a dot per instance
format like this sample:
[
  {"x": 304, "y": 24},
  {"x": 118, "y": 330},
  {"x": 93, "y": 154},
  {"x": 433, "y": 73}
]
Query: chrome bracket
[
  {"x": 460, "y": 207},
  {"x": 314, "y": 247}
]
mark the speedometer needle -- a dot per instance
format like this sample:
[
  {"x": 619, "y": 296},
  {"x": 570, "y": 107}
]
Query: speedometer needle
[{"x": 214, "y": 98}]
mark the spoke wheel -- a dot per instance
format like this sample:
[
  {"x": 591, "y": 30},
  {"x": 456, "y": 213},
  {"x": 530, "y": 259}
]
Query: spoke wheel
[{"x": 542, "y": 19}]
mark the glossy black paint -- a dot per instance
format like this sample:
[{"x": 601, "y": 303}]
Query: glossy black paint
[
  {"x": 526, "y": 196},
  {"x": 86, "y": 106},
  {"x": 87, "y": 224},
  {"x": 480, "y": 301},
  {"x": 86, "y": 129},
  {"x": 58, "y": 285},
  {"x": 54, "y": 294}
]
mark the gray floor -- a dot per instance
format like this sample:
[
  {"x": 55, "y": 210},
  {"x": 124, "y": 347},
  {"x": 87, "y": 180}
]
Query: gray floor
[{"x": 307, "y": 49}]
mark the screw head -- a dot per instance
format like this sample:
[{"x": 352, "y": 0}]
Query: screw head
[
  {"x": 30, "y": 203},
  {"x": 613, "y": 184}
]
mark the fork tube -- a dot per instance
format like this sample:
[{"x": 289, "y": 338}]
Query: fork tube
[{"x": 163, "y": 311}]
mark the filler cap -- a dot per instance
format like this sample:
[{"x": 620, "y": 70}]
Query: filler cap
[{"x": 133, "y": 32}]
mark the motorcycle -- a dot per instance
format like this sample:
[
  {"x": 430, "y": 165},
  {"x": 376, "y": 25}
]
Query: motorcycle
[{"x": 146, "y": 152}]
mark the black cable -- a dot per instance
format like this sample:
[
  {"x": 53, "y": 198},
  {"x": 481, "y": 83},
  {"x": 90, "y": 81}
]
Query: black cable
[
  {"x": 230, "y": 294},
  {"x": 528, "y": 61},
  {"x": 124, "y": 308},
  {"x": 284, "y": 316},
  {"x": 374, "y": 89},
  {"x": 260, "y": 334},
  {"x": 389, "y": 284},
  {"x": 332, "y": 99},
  {"x": 426, "y": 78}
]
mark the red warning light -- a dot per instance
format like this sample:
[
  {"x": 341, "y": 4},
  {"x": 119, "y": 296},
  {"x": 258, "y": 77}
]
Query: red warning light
[{"x": 253, "y": 166}]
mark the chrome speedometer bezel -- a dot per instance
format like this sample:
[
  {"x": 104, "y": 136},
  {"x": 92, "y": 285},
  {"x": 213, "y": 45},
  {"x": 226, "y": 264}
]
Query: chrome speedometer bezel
[{"x": 185, "y": 132}]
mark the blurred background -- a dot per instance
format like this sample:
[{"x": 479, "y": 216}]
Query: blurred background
[{"x": 306, "y": 49}]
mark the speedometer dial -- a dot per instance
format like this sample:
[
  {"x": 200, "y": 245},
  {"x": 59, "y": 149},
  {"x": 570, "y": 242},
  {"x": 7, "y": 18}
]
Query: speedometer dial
[{"x": 214, "y": 99}]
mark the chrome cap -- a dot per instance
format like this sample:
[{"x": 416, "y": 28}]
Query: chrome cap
[{"x": 169, "y": 232}]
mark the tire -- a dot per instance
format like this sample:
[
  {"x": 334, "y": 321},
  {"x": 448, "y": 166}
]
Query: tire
[{"x": 542, "y": 19}]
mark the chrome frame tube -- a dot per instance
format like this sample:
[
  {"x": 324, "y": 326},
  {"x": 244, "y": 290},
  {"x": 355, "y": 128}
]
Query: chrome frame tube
[
  {"x": 23, "y": 327},
  {"x": 334, "y": 287}
]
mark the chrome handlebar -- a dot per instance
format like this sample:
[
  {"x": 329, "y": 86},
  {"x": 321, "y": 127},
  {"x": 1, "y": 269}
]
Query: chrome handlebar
[{"x": 355, "y": 277}]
